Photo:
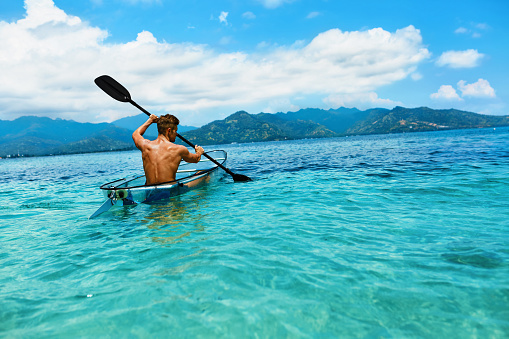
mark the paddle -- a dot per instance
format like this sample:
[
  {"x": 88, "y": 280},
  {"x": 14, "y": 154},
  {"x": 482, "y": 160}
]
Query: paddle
[{"x": 120, "y": 93}]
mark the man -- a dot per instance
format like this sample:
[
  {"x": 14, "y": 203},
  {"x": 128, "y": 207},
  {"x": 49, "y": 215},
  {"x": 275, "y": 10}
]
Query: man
[{"x": 161, "y": 157}]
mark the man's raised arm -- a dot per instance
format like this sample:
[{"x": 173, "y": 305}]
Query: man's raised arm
[{"x": 138, "y": 133}]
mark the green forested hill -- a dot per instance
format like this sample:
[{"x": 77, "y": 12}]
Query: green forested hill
[
  {"x": 244, "y": 127},
  {"x": 401, "y": 119},
  {"x": 30, "y": 136},
  {"x": 337, "y": 120},
  {"x": 316, "y": 123}
]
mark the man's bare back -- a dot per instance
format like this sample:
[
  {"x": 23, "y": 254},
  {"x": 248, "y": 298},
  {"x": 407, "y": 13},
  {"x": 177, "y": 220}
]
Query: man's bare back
[{"x": 161, "y": 157}]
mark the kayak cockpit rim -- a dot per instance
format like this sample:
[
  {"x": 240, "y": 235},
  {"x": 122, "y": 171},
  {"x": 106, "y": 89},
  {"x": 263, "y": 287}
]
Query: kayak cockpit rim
[{"x": 109, "y": 186}]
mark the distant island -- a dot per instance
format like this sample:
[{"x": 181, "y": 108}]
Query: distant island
[
  {"x": 36, "y": 136},
  {"x": 243, "y": 127}
]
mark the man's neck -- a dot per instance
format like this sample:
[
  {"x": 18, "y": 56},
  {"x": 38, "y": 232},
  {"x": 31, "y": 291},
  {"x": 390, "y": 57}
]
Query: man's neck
[{"x": 164, "y": 138}]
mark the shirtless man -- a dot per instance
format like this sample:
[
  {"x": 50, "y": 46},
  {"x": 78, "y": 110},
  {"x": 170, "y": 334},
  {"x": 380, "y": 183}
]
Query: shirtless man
[{"x": 161, "y": 157}]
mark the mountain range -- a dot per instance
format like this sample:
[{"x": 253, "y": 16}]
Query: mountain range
[
  {"x": 318, "y": 123},
  {"x": 33, "y": 136},
  {"x": 30, "y": 136}
]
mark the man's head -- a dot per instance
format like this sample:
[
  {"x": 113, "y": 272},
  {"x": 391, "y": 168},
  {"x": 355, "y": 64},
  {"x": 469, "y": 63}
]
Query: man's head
[{"x": 166, "y": 122}]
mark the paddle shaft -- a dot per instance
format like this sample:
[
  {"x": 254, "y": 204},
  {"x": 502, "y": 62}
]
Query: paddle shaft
[
  {"x": 207, "y": 156},
  {"x": 186, "y": 141},
  {"x": 120, "y": 93}
]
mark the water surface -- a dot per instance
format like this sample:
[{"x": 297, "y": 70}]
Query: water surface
[{"x": 372, "y": 236}]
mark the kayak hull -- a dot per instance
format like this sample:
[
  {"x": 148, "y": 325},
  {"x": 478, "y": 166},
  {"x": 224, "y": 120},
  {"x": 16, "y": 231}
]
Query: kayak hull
[
  {"x": 132, "y": 190},
  {"x": 155, "y": 194}
]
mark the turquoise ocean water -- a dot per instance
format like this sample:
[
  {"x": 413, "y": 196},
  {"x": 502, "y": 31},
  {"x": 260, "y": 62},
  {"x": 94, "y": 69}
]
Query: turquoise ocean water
[{"x": 372, "y": 236}]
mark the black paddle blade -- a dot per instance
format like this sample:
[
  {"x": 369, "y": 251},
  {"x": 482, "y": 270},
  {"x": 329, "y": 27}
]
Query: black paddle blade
[
  {"x": 113, "y": 88},
  {"x": 240, "y": 177}
]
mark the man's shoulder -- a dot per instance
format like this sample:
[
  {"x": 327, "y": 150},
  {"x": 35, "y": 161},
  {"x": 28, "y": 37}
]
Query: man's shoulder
[
  {"x": 141, "y": 142},
  {"x": 181, "y": 149},
  {"x": 173, "y": 147}
]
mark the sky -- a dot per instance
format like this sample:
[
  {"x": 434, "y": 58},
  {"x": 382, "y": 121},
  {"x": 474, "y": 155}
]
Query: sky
[{"x": 204, "y": 60}]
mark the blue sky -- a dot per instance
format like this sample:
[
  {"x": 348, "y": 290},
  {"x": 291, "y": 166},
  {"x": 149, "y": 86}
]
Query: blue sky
[{"x": 204, "y": 60}]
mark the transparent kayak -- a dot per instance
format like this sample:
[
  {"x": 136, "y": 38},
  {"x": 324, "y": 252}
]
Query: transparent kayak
[{"x": 132, "y": 190}]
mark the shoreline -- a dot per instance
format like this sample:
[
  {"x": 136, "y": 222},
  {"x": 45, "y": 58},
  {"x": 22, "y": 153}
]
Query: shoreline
[{"x": 494, "y": 128}]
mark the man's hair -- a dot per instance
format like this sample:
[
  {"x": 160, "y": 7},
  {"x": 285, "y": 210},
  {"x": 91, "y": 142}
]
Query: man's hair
[{"x": 166, "y": 121}]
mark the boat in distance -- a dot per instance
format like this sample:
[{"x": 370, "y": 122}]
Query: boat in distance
[{"x": 133, "y": 190}]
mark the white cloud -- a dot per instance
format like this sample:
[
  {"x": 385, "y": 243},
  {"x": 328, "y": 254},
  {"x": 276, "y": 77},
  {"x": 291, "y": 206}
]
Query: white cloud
[
  {"x": 446, "y": 92},
  {"x": 313, "y": 15},
  {"x": 359, "y": 100},
  {"x": 271, "y": 4},
  {"x": 222, "y": 18},
  {"x": 416, "y": 76},
  {"x": 461, "y": 30},
  {"x": 146, "y": 2},
  {"x": 249, "y": 15},
  {"x": 482, "y": 26},
  {"x": 226, "y": 40},
  {"x": 460, "y": 59},
  {"x": 479, "y": 89},
  {"x": 280, "y": 105},
  {"x": 40, "y": 12},
  {"x": 475, "y": 29},
  {"x": 57, "y": 56}
]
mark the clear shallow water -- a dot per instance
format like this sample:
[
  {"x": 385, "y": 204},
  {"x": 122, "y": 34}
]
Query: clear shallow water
[{"x": 375, "y": 236}]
